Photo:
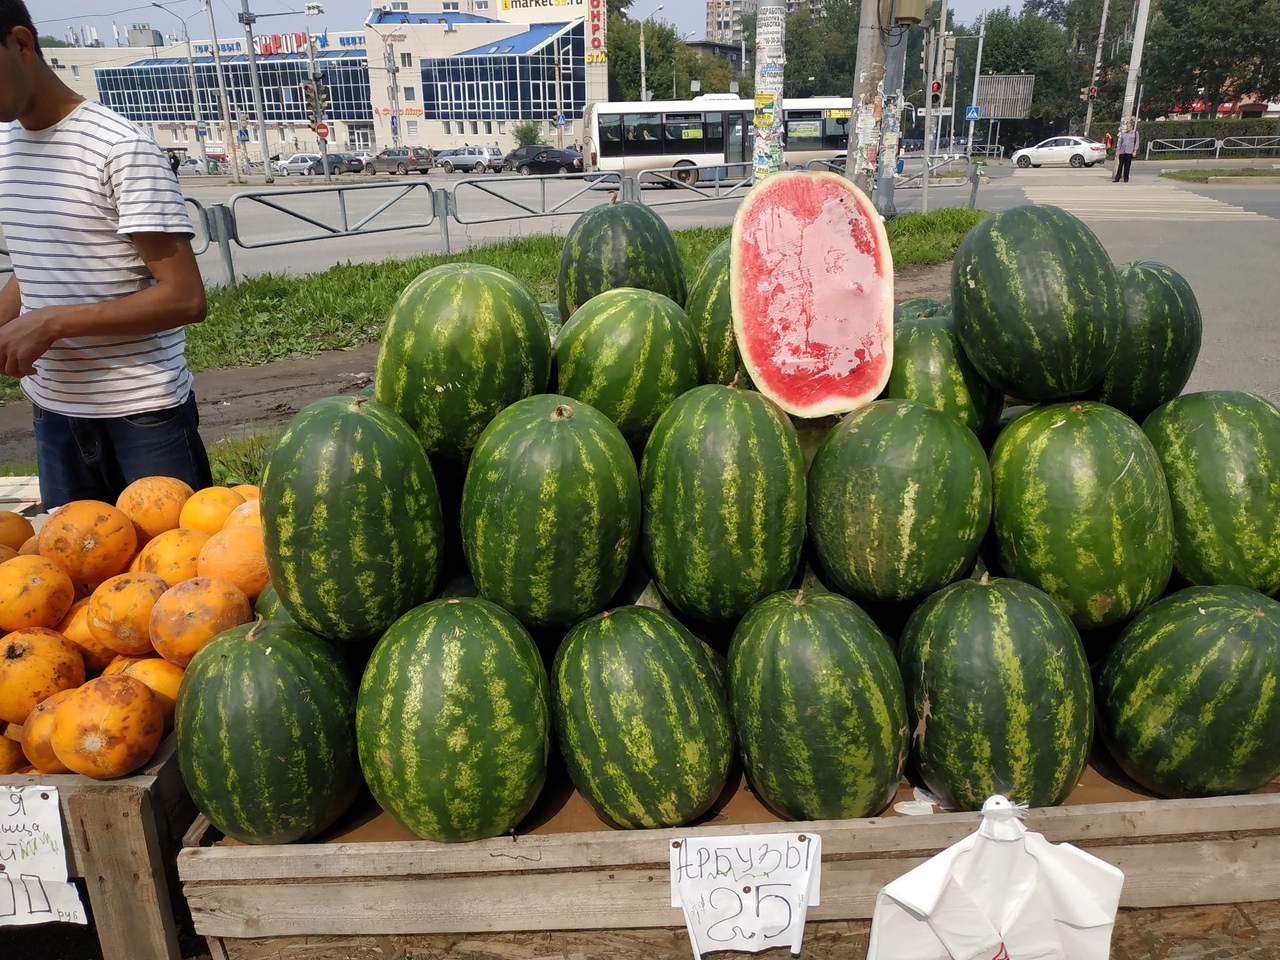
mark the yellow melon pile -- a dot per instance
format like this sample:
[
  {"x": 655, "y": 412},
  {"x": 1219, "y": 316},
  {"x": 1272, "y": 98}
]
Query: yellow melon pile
[{"x": 101, "y": 612}]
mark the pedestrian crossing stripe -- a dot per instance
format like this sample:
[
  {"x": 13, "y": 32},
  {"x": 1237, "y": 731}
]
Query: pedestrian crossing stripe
[{"x": 1131, "y": 201}]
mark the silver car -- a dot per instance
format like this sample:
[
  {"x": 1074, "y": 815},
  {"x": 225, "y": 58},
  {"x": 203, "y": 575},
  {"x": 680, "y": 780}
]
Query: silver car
[
  {"x": 301, "y": 163},
  {"x": 475, "y": 159},
  {"x": 1077, "y": 151}
]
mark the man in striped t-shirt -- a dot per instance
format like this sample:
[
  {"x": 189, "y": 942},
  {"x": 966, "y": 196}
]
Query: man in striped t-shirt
[{"x": 103, "y": 283}]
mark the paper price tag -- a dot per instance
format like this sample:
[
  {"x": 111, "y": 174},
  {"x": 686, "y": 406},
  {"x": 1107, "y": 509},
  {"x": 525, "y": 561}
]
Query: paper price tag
[
  {"x": 33, "y": 862},
  {"x": 748, "y": 893}
]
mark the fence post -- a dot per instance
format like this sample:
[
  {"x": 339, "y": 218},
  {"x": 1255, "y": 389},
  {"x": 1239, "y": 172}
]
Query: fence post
[
  {"x": 629, "y": 190},
  {"x": 1217, "y": 148},
  {"x": 220, "y": 224},
  {"x": 441, "y": 208}
]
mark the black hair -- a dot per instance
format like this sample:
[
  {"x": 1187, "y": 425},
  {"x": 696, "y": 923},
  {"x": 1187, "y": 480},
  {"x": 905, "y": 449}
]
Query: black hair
[{"x": 13, "y": 13}]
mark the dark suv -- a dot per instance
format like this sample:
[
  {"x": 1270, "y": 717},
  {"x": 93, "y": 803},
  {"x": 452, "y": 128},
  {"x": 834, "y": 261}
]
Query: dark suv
[{"x": 400, "y": 160}]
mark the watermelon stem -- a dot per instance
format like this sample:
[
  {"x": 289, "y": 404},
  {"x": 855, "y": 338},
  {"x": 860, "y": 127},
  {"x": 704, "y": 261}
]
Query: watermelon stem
[
  {"x": 562, "y": 412},
  {"x": 799, "y": 600},
  {"x": 986, "y": 578},
  {"x": 733, "y": 384}
]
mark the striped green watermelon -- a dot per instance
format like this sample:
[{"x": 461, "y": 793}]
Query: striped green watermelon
[
  {"x": 350, "y": 519},
  {"x": 899, "y": 501},
  {"x": 818, "y": 703},
  {"x": 628, "y": 353},
  {"x": 930, "y": 366},
  {"x": 1189, "y": 696},
  {"x": 915, "y": 309},
  {"x": 998, "y": 694},
  {"x": 462, "y": 342},
  {"x": 265, "y": 731},
  {"x": 723, "y": 492},
  {"x": 1159, "y": 340},
  {"x": 269, "y": 607},
  {"x": 1220, "y": 451},
  {"x": 453, "y": 720},
  {"x": 710, "y": 312},
  {"x": 1081, "y": 510},
  {"x": 618, "y": 245},
  {"x": 811, "y": 289},
  {"x": 550, "y": 510},
  {"x": 642, "y": 718},
  {"x": 1037, "y": 303}
]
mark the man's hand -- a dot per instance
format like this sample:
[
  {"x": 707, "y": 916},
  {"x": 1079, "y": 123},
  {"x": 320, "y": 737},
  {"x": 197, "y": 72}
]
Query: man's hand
[{"x": 24, "y": 340}]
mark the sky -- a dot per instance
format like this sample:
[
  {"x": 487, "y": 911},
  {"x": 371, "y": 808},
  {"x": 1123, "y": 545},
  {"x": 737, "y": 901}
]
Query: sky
[{"x": 54, "y": 17}]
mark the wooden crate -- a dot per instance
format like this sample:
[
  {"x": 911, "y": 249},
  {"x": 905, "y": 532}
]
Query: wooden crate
[
  {"x": 121, "y": 838},
  {"x": 571, "y": 873}
]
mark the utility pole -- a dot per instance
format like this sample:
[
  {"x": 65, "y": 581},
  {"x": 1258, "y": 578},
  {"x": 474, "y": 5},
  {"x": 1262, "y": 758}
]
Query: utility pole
[
  {"x": 930, "y": 41},
  {"x": 559, "y": 100},
  {"x": 1097, "y": 64},
  {"x": 977, "y": 74},
  {"x": 895, "y": 69},
  {"x": 313, "y": 73},
  {"x": 868, "y": 89},
  {"x": 1130, "y": 108},
  {"x": 393, "y": 90},
  {"x": 191, "y": 79},
  {"x": 228, "y": 130},
  {"x": 248, "y": 19},
  {"x": 771, "y": 28}
]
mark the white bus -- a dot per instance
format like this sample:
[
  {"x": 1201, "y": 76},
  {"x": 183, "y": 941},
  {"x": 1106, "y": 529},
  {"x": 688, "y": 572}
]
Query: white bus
[{"x": 708, "y": 136}]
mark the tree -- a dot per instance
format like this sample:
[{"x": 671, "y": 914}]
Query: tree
[
  {"x": 526, "y": 133},
  {"x": 53, "y": 42},
  {"x": 1215, "y": 52}
]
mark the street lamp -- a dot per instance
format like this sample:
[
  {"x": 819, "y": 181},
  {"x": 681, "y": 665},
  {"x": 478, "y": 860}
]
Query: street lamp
[
  {"x": 191, "y": 76},
  {"x": 644, "y": 77}
]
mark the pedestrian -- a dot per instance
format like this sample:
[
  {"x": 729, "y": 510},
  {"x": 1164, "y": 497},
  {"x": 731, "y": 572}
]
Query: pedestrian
[
  {"x": 174, "y": 163},
  {"x": 1126, "y": 147},
  {"x": 103, "y": 282}
]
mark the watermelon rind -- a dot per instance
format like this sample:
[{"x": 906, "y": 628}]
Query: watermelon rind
[
  {"x": 931, "y": 367},
  {"x": 710, "y": 311}
]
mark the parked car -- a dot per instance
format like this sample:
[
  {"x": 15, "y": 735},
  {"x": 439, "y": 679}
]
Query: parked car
[
  {"x": 550, "y": 160},
  {"x": 345, "y": 163},
  {"x": 1077, "y": 151},
  {"x": 301, "y": 163},
  {"x": 191, "y": 165},
  {"x": 519, "y": 155},
  {"x": 476, "y": 159},
  {"x": 400, "y": 160}
]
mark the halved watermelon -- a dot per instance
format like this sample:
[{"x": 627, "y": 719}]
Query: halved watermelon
[{"x": 811, "y": 286}]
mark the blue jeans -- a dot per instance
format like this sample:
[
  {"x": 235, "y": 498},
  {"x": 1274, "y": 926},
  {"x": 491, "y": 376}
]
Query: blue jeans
[{"x": 83, "y": 458}]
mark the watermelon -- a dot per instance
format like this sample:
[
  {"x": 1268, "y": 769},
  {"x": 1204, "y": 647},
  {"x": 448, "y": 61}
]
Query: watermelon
[
  {"x": 462, "y": 342},
  {"x": 1080, "y": 509},
  {"x": 1188, "y": 698},
  {"x": 269, "y": 607},
  {"x": 811, "y": 288},
  {"x": 265, "y": 732},
  {"x": 998, "y": 694},
  {"x": 818, "y": 704},
  {"x": 710, "y": 312},
  {"x": 453, "y": 720},
  {"x": 899, "y": 501},
  {"x": 351, "y": 519},
  {"x": 1159, "y": 340},
  {"x": 1220, "y": 451},
  {"x": 550, "y": 510},
  {"x": 459, "y": 586},
  {"x": 628, "y": 353},
  {"x": 914, "y": 309},
  {"x": 618, "y": 245},
  {"x": 723, "y": 495},
  {"x": 1037, "y": 303},
  {"x": 930, "y": 366},
  {"x": 642, "y": 718}
]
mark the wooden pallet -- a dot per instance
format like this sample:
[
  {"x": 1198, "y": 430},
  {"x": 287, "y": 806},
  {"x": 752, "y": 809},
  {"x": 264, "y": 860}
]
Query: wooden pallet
[
  {"x": 121, "y": 838},
  {"x": 371, "y": 879},
  {"x": 20, "y": 494}
]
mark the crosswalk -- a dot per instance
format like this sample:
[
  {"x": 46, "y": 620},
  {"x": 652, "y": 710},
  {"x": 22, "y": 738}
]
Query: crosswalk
[{"x": 1134, "y": 201}]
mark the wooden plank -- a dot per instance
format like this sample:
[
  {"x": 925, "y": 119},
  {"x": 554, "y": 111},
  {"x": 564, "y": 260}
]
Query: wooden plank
[
  {"x": 123, "y": 868},
  {"x": 1094, "y": 826},
  {"x": 603, "y": 897}
]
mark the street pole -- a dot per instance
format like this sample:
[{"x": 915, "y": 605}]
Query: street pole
[
  {"x": 227, "y": 130},
  {"x": 930, "y": 34},
  {"x": 248, "y": 19},
  {"x": 191, "y": 78},
  {"x": 895, "y": 69},
  {"x": 977, "y": 73},
  {"x": 1097, "y": 63},
  {"x": 313, "y": 72},
  {"x": 868, "y": 89},
  {"x": 644, "y": 75},
  {"x": 1130, "y": 107},
  {"x": 559, "y": 101},
  {"x": 771, "y": 29},
  {"x": 393, "y": 90}
]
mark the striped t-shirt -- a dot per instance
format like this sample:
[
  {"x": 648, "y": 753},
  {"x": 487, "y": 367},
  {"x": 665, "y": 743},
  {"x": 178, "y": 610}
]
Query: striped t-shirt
[{"x": 70, "y": 196}]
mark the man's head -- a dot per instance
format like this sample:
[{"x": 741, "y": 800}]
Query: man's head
[
  {"x": 20, "y": 61},
  {"x": 13, "y": 13}
]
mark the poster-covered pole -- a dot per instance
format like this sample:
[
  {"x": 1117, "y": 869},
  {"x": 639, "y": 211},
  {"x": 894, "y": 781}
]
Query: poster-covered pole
[{"x": 771, "y": 22}]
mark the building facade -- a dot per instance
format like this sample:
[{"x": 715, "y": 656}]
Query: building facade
[{"x": 724, "y": 19}]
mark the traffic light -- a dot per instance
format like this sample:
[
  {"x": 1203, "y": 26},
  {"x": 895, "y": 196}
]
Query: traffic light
[
  {"x": 1093, "y": 93},
  {"x": 949, "y": 55},
  {"x": 317, "y": 99},
  {"x": 935, "y": 94},
  {"x": 1084, "y": 93}
]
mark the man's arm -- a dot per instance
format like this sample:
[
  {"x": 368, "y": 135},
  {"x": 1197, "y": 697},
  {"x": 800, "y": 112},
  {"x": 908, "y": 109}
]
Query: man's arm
[
  {"x": 174, "y": 300},
  {"x": 10, "y": 300}
]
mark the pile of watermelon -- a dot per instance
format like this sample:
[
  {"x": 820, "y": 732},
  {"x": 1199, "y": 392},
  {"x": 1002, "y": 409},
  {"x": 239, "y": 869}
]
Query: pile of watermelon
[{"x": 1008, "y": 532}]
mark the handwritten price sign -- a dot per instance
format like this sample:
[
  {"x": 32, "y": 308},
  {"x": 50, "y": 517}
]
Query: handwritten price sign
[
  {"x": 33, "y": 863},
  {"x": 746, "y": 893}
]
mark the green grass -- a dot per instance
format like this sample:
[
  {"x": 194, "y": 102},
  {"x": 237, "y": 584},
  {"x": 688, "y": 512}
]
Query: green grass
[
  {"x": 236, "y": 460},
  {"x": 1203, "y": 175},
  {"x": 276, "y": 316}
]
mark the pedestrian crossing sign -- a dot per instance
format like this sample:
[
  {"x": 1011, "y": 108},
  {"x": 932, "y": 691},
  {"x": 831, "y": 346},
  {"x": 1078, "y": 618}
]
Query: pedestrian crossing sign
[{"x": 972, "y": 112}]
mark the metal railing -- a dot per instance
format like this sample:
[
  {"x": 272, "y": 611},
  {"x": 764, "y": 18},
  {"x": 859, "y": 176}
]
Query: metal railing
[
  {"x": 1212, "y": 146},
  {"x": 729, "y": 181},
  {"x": 533, "y": 200},
  {"x": 347, "y": 222}
]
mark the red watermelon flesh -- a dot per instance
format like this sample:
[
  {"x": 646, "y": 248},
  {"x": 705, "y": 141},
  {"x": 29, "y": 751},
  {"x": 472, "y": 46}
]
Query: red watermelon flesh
[{"x": 811, "y": 287}]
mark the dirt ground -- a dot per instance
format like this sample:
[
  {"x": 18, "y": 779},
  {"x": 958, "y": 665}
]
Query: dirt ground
[{"x": 262, "y": 399}]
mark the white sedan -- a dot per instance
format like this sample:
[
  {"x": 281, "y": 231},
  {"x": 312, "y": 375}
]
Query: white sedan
[{"x": 1077, "y": 151}]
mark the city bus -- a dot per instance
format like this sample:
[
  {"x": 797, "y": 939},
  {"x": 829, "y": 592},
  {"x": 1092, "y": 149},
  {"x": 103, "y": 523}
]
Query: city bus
[{"x": 711, "y": 135}]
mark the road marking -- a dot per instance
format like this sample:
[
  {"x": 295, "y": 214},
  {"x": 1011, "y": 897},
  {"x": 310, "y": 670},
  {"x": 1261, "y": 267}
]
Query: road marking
[{"x": 1133, "y": 201}]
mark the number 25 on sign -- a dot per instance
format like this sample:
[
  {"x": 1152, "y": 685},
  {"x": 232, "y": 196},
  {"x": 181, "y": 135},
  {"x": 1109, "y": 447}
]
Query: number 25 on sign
[{"x": 746, "y": 893}]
